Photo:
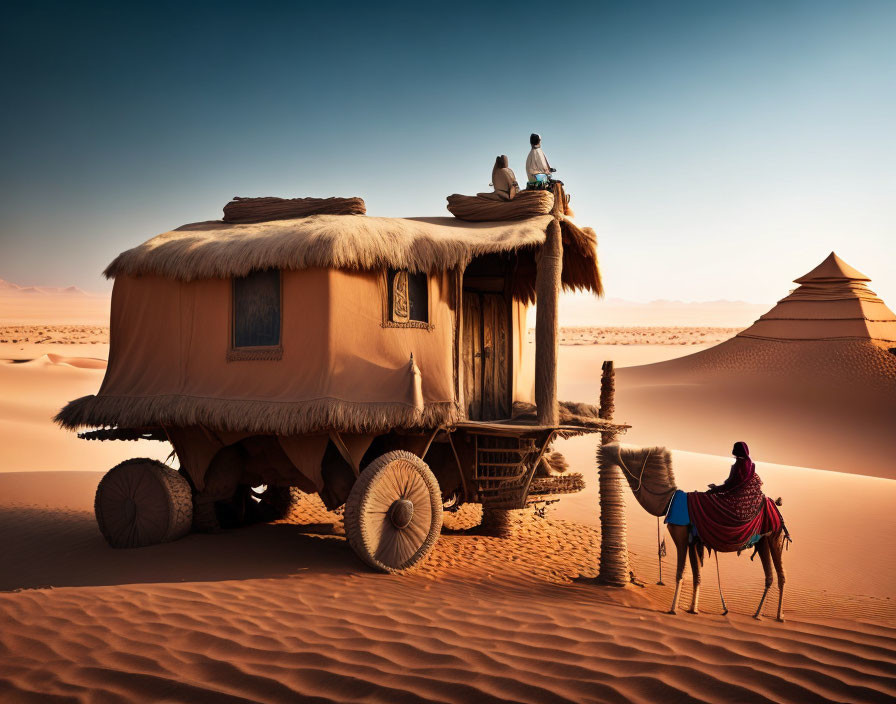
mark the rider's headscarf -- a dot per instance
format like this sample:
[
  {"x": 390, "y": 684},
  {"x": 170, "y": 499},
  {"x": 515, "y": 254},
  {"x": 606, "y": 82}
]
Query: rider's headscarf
[{"x": 743, "y": 468}]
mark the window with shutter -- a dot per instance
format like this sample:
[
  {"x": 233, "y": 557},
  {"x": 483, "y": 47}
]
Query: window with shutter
[
  {"x": 256, "y": 316},
  {"x": 408, "y": 304}
]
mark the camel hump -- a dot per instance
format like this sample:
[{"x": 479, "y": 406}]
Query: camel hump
[{"x": 648, "y": 471}]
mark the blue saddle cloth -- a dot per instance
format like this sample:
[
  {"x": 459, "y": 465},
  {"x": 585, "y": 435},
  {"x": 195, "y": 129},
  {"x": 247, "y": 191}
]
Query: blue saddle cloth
[{"x": 677, "y": 514}]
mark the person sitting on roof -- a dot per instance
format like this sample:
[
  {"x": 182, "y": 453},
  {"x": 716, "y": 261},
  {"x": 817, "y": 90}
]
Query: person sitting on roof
[
  {"x": 504, "y": 180},
  {"x": 538, "y": 170}
]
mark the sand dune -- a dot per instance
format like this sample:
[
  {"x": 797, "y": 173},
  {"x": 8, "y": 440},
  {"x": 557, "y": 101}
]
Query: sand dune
[
  {"x": 32, "y": 393},
  {"x": 345, "y": 638},
  {"x": 273, "y": 614},
  {"x": 800, "y": 413},
  {"x": 285, "y": 612},
  {"x": 691, "y": 402}
]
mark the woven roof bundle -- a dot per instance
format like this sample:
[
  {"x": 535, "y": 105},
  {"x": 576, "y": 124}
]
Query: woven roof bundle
[
  {"x": 490, "y": 206},
  {"x": 245, "y": 210}
]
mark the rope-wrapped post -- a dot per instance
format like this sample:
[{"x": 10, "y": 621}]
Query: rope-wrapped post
[
  {"x": 547, "y": 338},
  {"x": 614, "y": 566}
]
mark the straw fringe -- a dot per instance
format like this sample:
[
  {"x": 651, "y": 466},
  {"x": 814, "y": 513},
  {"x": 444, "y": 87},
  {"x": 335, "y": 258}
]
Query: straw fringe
[
  {"x": 269, "y": 417},
  {"x": 580, "y": 266},
  {"x": 215, "y": 249},
  {"x": 220, "y": 250}
]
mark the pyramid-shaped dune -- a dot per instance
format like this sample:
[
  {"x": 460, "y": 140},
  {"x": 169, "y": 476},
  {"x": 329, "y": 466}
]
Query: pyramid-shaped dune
[
  {"x": 832, "y": 302},
  {"x": 832, "y": 328}
]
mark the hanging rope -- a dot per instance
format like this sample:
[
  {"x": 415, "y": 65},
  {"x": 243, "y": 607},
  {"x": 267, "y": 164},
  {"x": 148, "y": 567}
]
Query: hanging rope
[{"x": 640, "y": 477}]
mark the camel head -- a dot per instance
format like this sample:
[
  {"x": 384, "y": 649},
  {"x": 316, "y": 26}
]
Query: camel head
[{"x": 648, "y": 471}]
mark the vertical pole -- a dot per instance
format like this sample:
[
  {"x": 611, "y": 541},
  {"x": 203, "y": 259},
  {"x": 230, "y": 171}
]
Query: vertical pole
[
  {"x": 614, "y": 566},
  {"x": 547, "y": 293}
]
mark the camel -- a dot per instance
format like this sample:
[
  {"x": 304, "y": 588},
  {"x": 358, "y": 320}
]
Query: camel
[{"x": 649, "y": 473}]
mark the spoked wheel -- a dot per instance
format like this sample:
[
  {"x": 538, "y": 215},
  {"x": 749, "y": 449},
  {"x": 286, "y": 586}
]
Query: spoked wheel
[
  {"x": 393, "y": 514},
  {"x": 142, "y": 502}
]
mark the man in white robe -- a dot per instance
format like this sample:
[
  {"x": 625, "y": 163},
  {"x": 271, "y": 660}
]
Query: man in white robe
[{"x": 537, "y": 163}]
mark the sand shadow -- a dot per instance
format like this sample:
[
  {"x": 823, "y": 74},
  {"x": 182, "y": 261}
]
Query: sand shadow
[{"x": 44, "y": 547}]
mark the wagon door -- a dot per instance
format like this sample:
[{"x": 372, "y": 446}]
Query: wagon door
[{"x": 486, "y": 346}]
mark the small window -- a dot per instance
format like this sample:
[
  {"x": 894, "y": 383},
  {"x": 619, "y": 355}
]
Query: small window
[
  {"x": 408, "y": 297},
  {"x": 256, "y": 309}
]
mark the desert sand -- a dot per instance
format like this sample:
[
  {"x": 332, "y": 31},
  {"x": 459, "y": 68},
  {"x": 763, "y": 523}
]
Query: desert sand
[{"x": 285, "y": 612}]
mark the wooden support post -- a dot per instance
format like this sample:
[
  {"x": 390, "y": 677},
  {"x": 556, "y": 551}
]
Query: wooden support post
[
  {"x": 547, "y": 292},
  {"x": 614, "y": 565}
]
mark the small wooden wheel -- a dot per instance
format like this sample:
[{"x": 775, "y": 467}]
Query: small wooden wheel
[
  {"x": 142, "y": 502},
  {"x": 393, "y": 515}
]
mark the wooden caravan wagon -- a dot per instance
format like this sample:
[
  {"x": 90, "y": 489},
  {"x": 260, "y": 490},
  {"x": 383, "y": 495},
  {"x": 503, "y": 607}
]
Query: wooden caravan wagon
[{"x": 379, "y": 362}]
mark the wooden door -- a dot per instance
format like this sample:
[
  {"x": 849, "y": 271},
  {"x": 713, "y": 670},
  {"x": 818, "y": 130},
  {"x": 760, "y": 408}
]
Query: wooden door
[{"x": 486, "y": 355}]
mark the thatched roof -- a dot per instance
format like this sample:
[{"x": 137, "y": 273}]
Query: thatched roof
[{"x": 217, "y": 249}]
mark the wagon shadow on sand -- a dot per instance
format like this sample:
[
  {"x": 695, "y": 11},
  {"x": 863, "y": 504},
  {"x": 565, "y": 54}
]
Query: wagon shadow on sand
[{"x": 74, "y": 553}]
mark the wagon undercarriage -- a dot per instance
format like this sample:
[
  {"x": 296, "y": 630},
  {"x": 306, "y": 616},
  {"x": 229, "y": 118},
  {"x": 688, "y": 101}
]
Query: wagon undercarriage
[{"x": 394, "y": 485}]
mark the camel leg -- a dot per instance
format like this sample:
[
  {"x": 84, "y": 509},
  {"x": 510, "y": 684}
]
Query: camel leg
[
  {"x": 695, "y": 572},
  {"x": 680, "y": 538},
  {"x": 777, "y": 547},
  {"x": 766, "y": 558}
]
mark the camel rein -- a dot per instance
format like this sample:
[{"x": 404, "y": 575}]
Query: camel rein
[{"x": 640, "y": 477}]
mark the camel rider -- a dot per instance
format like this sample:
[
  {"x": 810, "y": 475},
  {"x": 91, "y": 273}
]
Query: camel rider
[
  {"x": 538, "y": 170},
  {"x": 742, "y": 470},
  {"x": 504, "y": 180}
]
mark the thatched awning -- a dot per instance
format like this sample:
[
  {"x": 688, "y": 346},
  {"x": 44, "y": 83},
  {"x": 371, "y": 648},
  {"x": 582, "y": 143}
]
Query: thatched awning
[
  {"x": 216, "y": 249},
  {"x": 264, "y": 417}
]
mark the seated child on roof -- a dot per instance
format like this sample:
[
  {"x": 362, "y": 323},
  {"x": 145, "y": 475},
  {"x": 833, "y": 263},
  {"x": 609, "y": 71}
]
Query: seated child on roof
[{"x": 504, "y": 180}]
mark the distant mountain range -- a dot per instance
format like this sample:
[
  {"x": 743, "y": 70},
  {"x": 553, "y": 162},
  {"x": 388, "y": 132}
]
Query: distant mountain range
[
  {"x": 586, "y": 311},
  {"x": 9, "y": 288},
  {"x": 576, "y": 310},
  {"x": 51, "y": 305}
]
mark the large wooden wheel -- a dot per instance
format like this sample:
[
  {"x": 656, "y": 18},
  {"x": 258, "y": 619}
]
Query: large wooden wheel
[
  {"x": 393, "y": 515},
  {"x": 142, "y": 502}
]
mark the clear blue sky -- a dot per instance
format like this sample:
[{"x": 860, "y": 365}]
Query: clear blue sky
[{"x": 720, "y": 149}]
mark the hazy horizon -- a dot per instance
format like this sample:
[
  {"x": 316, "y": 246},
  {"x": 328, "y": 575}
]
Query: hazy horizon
[{"x": 719, "y": 150}]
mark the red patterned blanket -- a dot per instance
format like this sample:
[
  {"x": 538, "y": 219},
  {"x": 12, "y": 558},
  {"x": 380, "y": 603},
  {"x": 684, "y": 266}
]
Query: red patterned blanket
[{"x": 727, "y": 521}]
